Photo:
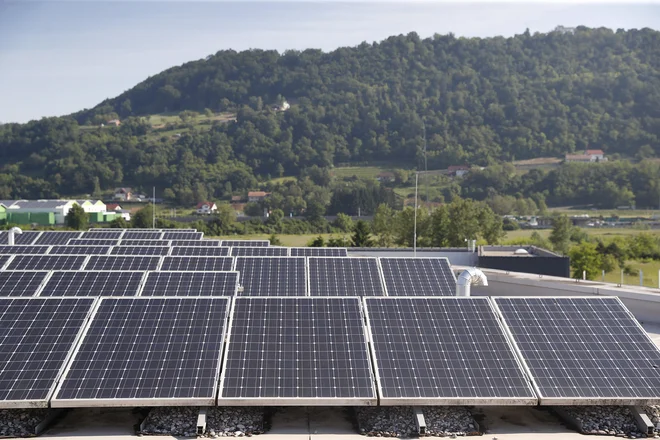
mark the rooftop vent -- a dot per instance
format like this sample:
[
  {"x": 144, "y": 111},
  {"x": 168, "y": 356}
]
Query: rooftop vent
[{"x": 521, "y": 252}]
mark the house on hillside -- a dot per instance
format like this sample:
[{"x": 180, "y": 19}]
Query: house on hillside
[
  {"x": 458, "y": 170},
  {"x": 257, "y": 196},
  {"x": 114, "y": 122},
  {"x": 596, "y": 155},
  {"x": 385, "y": 177},
  {"x": 588, "y": 156},
  {"x": 113, "y": 207},
  {"x": 236, "y": 199},
  {"x": 206, "y": 208},
  {"x": 123, "y": 194},
  {"x": 577, "y": 158}
]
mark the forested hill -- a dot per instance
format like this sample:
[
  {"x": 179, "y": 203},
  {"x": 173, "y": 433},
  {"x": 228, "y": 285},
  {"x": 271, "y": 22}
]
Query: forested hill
[{"x": 483, "y": 100}]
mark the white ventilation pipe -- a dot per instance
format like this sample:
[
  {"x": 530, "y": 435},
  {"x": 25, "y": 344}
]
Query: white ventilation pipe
[
  {"x": 470, "y": 277},
  {"x": 10, "y": 235}
]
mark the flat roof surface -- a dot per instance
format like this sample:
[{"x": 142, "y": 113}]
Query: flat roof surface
[{"x": 486, "y": 253}]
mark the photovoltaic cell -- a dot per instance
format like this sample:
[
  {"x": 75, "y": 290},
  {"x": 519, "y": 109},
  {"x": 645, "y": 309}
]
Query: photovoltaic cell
[
  {"x": 67, "y": 283},
  {"x": 142, "y": 235},
  {"x": 23, "y": 249},
  {"x": 117, "y": 262},
  {"x": 584, "y": 350},
  {"x": 318, "y": 252},
  {"x": 36, "y": 338},
  {"x": 91, "y": 242},
  {"x": 272, "y": 276},
  {"x": 443, "y": 351},
  {"x": 248, "y": 243},
  {"x": 140, "y": 250},
  {"x": 125, "y": 242},
  {"x": 259, "y": 252},
  {"x": 102, "y": 235},
  {"x": 20, "y": 283},
  {"x": 56, "y": 237},
  {"x": 46, "y": 262},
  {"x": 418, "y": 276},
  {"x": 197, "y": 264},
  {"x": 4, "y": 259},
  {"x": 79, "y": 250},
  {"x": 345, "y": 276},
  {"x": 27, "y": 237},
  {"x": 196, "y": 243},
  {"x": 287, "y": 350},
  {"x": 191, "y": 284},
  {"x": 148, "y": 351},
  {"x": 202, "y": 251},
  {"x": 182, "y": 235}
]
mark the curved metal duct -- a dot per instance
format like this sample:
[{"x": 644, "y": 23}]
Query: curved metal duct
[{"x": 470, "y": 277}]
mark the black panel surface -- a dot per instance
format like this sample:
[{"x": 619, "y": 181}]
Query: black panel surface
[
  {"x": 140, "y": 250},
  {"x": 20, "y": 283},
  {"x": 142, "y": 235},
  {"x": 22, "y": 249},
  {"x": 197, "y": 263},
  {"x": 202, "y": 251},
  {"x": 182, "y": 235},
  {"x": 583, "y": 347},
  {"x": 56, "y": 237},
  {"x": 119, "y": 262},
  {"x": 149, "y": 348},
  {"x": 196, "y": 243},
  {"x": 297, "y": 348},
  {"x": 47, "y": 262},
  {"x": 27, "y": 237},
  {"x": 92, "y": 284},
  {"x": 418, "y": 277},
  {"x": 272, "y": 276},
  {"x": 248, "y": 243},
  {"x": 91, "y": 242},
  {"x": 4, "y": 259},
  {"x": 190, "y": 284},
  {"x": 348, "y": 276},
  {"x": 244, "y": 251},
  {"x": 36, "y": 337},
  {"x": 124, "y": 242},
  {"x": 79, "y": 250},
  {"x": 102, "y": 235},
  {"x": 318, "y": 252},
  {"x": 443, "y": 348}
]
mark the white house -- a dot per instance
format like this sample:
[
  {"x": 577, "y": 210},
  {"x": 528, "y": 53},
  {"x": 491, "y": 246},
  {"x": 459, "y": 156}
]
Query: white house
[
  {"x": 596, "y": 155},
  {"x": 58, "y": 207},
  {"x": 123, "y": 194},
  {"x": 206, "y": 208},
  {"x": 92, "y": 205}
]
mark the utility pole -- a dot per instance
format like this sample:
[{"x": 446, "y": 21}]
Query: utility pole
[
  {"x": 153, "y": 210},
  {"x": 415, "y": 221},
  {"x": 426, "y": 169}
]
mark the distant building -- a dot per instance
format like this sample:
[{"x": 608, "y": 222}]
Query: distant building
[
  {"x": 43, "y": 212},
  {"x": 577, "y": 158},
  {"x": 114, "y": 122},
  {"x": 236, "y": 199},
  {"x": 458, "y": 170},
  {"x": 588, "y": 156},
  {"x": 92, "y": 205},
  {"x": 123, "y": 194},
  {"x": 113, "y": 207},
  {"x": 596, "y": 155},
  {"x": 257, "y": 196},
  {"x": 206, "y": 208},
  {"x": 282, "y": 108},
  {"x": 385, "y": 176}
]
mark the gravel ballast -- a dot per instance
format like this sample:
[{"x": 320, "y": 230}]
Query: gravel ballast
[
  {"x": 446, "y": 421},
  {"x": 234, "y": 421},
  {"x": 653, "y": 411},
  {"x": 605, "y": 420},
  {"x": 20, "y": 422},
  {"x": 176, "y": 420},
  {"x": 399, "y": 421}
]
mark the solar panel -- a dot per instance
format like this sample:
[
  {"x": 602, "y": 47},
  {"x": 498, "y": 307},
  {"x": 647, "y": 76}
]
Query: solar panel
[
  {"x": 272, "y": 276},
  {"x": 259, "y": 252},
  {"x": 248, "y": 243},
  {"x": 318, "y": 252},
  {"x": 20, "y": 283},
  {"x": 56, "y": 237},
  {"x": 47, "y": 262},
  {"x": 191, "y": 284},
  {"x": 102, "y": 235},
  {"x": 297, "y": 351},
  {"x": 183, "y": 235},
  {"x": 70, "y": 283},
  {"x": 147, "y": 352},
  {"x": 197, "y": 264},
  {"x": 79, "y": 250},
  {"x": 344, "y": 276},
  {"x": 196, "y": 243},
  {"x": 3, "y": 260},
  {"x": 120, "y": 262},
  {"x": 203, "y": 251},
  {"x": 22, "y": 249},
  {"x": 418, "y": 276},
  {"x": 91, "y": 242},
  {"x": 27, "y": 237},
  {"x": 37, "y": 337},
  {"x": 588, "y": 351},
  {"x": 443, "y": 351},
  {"x": 125, "y": 242},
  {"x": 140, "y": 250},
  {"x": 142, "y": 235}
]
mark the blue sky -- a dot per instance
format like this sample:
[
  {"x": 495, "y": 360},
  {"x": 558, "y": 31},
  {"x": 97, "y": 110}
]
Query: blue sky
[{"x": 57, "y": 57}]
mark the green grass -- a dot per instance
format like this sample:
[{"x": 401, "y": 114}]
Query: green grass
[
  {"x": 605, "y": 212},
  {"x": 594, "y": 232},
  {"x": 649, "y": 272},
  {"x": 362, "y": 172},
  {"x": 283, "y": 179}
]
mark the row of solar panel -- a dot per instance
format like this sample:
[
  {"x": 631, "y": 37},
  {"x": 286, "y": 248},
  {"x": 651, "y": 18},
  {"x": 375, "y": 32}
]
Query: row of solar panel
[
  {"x": 93, "y": 248},
  {"x": 62, "y": 237},
  {"x": 76, "y": 352},
  {"x": 259, "y": 276}
]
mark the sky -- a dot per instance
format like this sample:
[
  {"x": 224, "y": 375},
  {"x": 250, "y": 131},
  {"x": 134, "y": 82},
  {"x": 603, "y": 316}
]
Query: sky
[{"x": 60, "y": 56}]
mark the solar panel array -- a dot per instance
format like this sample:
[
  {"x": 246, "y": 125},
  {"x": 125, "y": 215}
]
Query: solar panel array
[
  {"x": 142, "y": 235},
  {"x": 318, "y": 252},
  {"x": 125, "y": 242},
  {"x": 259, "y": 252},
  {"x": 198, "y": 264},
  {"x": 46, "y": 262},
  {"x": 21, "y": 283},
  {"x": 116, "y": 262},
  {"x": 56, "y": 237},
  {"x": 195, "y": 242},
  {"x": 191, "y": 284},
  {"x": 248, "y": 243},
  {"x": 23, "y": 249},
  {"x": 73, "y": 283},
  {"x": 92, "y": 242},
  {"x": 202, "y": 251},
  {"x": 140, "y": 250},
  {"x": 182, "y": 235},
  {"x": 27, "y": 237},
  {"x": 331, "y": 276},
  {"x": 102, "y": 235},
  {"x": 418, "y": 276},
  {"x": 276, "y": 276},
  {"x": 79, "y": 250}
]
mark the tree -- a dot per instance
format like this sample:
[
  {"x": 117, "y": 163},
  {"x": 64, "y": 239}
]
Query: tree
[
  {"x": 274, "y": 240},
  {"x": 317, "y": 242},
  {"x": 119, "y": 223},
  {"x": 362, "y": 235},
  {"x": 490, "y": 225},
  {"x": 143, "y": 218},
  {"x": 226, "y": 217},
  {"x": 585, "y": 257},
  {"x": 343, "y": 222},
  {"x": 382, "y": 225},
  {"x": 76, "y": 218},
  {"x": 253, "y": 209},
  {"x": 560, "y": 236}
]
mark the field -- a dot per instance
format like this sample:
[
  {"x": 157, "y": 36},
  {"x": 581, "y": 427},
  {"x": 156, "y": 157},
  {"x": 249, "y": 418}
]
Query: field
[
  {"x": 361, "y": 172},
  {"x": 287, "y": 240},
  {"x": 649, "y": 272},
  {"x": 604, "y": 233},
  {"x": 569, "y": 210}
]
